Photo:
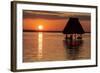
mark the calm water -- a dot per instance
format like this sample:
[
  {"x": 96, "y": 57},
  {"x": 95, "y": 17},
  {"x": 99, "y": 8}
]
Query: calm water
[{"x": 42, "y": 46}]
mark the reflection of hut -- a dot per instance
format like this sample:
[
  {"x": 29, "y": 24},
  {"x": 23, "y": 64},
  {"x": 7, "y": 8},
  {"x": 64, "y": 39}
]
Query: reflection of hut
[
  {"x": 73, "y": 29},
  {"x": 73, "y": 41}
]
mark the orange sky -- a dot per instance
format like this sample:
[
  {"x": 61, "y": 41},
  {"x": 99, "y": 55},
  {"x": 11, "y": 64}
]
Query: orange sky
[{"x": 31, "y": 21}]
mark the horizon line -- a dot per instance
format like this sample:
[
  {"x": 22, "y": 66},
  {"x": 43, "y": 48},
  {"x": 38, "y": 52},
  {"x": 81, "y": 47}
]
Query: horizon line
[{"x": 45, "y": 31}]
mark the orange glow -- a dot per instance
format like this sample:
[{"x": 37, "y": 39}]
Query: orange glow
[
  {"x": 51, "y": 24},
  {"x": 40, "y": 27}
]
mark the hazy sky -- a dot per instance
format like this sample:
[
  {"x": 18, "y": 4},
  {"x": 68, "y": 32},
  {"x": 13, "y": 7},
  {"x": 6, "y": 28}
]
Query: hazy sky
[{"x": 53, "y": 21}]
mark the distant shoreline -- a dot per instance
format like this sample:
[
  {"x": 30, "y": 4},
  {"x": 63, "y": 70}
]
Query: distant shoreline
[{"x": 46, "y": 31}]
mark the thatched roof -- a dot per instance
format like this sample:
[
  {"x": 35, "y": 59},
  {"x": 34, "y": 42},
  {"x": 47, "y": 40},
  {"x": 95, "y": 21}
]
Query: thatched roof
[{"x": 73, "y": 26}]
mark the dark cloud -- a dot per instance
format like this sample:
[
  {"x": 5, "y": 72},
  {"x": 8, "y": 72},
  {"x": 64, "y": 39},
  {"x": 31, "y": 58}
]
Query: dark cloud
[{"x": 55, "y": 15}]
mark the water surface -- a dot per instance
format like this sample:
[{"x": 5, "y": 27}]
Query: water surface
[{"x": 42, "y": 46}]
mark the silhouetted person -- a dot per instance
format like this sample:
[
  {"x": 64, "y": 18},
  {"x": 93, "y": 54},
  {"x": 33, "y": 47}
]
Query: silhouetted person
[
  {"x": 71, "y": 37},
  {"x": 66, "y": 37}
]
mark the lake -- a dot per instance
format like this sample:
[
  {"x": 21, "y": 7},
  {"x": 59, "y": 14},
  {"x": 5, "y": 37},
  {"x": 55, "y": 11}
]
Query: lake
[{"x": 49, "y": 46}]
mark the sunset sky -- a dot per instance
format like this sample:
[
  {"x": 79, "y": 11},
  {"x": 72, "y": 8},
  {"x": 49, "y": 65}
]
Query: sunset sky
[{"x": 53, "y": 21}]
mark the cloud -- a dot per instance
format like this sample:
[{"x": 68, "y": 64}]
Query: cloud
[{"x": 55, "y": 15}]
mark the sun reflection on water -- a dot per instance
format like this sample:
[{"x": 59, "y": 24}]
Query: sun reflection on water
[{"x": 40, "y": 41}]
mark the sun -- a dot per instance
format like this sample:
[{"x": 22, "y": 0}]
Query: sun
[{"x": 40, "y": 27}]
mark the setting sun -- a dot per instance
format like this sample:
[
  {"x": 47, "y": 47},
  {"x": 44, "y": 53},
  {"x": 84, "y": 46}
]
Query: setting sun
[{"x": 40, "y": 27}]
